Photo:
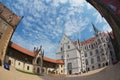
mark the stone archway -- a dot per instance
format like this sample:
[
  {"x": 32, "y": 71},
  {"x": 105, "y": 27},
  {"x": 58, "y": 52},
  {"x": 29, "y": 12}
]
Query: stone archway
[{"x": 38, "y": 65}]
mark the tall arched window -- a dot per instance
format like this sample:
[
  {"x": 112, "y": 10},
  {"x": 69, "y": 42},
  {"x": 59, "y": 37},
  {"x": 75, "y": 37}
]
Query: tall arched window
[
  {"x": 92, "y": 60},
  {"x": 98, "y": 58},
  {"x": 38, "y": 61},
  {"x": 86, "y": 62}
]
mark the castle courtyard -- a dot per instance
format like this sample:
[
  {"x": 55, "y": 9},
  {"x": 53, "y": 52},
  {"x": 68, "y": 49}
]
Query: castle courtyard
[{"x": 109, "y": 73}]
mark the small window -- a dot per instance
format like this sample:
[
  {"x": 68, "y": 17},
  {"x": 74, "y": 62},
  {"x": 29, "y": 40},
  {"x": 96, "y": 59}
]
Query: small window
[
  {"x": 90, "y": 53},
  {"x": 68, "y": 56},
  {"x": 61, "y": 57},
  {"x": 96, "y": 51},
  {"x": 86, "y": 62},
  {"x": 61, "y": 48},
  {"x": 99, "y": 65},
  {"x": 4, "y": 26},
  {"x": 61, "y": 71},
  {"x": 85, "y": 54},
  {"x": 27, "y": 67},
  {"x": 19, "y": 63},
  {"x": 68, "y": 46},
  {"x": 93, "y": 67},
  {"x": 92, "y": 60},
  {"x": 98, "y": 58},
  {"x": 1, "y": 35}
]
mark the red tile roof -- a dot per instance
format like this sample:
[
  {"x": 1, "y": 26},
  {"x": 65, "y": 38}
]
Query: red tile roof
[
  {"x": 90, "y": 40},
  {"x": 21, "y": 49},
  {"x": 75, "y": 42},
  {"x": 52, "y": 60},
  {"x": 27, "y": 52}
]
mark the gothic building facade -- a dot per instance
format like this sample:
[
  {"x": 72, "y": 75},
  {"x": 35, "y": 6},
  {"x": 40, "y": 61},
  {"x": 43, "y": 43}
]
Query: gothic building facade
[
  {"x": 110, "y": 10},
  {"x": 91, "y": 54},
  {"x": 8, "y": 24}
]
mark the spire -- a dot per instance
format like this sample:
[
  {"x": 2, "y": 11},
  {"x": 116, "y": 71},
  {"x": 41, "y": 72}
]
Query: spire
[{"x": 95, "y": 29}]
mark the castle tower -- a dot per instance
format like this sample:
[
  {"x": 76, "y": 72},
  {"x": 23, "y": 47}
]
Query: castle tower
[{"x": 8, "y": 24}]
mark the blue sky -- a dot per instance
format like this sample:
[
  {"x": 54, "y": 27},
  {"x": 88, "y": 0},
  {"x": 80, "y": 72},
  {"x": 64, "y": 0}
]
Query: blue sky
[{"x": 45, "y": 21}]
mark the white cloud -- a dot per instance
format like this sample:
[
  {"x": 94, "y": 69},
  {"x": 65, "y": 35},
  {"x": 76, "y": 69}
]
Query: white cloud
[
  {"x": 77, "y": 2},
  {"x": 72, "y": 26},
  {"x": 63, "y": 1},
  {"x": 90, "y": 29},
  {"x": 99, "y": 18}
]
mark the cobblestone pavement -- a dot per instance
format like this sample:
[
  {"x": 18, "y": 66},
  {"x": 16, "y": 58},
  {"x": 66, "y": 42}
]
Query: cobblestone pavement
[{"x": 110, "y": 73}]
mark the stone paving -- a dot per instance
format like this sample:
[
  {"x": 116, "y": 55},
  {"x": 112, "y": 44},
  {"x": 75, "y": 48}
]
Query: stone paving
[
  {"x": 110, "y": 73},
  {"x": 12, "y": 74}
]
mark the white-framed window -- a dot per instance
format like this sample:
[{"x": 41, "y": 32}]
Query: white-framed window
[
  {"x": 86, "y": 62},
  {"x": 98, "y": 58},
  {"x": 91, "y": 53}
]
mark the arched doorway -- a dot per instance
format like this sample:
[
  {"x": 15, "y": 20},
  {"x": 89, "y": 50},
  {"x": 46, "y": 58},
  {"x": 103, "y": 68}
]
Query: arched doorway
[
  {"x": 106, "y": 63},
  {"x": 38, "y": 70}
]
